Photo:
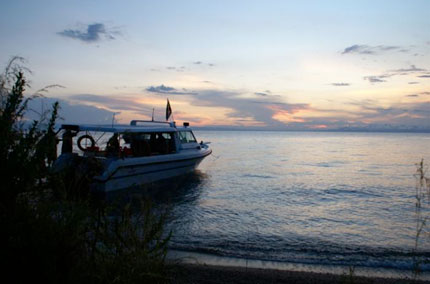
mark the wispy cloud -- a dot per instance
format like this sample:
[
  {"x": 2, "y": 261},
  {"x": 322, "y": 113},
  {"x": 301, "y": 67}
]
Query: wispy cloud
[
  {"x": 397, "y": 72},
  {"x": 419, "y": 94},
  {"x": 372, "y": 50},
  {"x": 201, "y": 62},
  {"x": 70, "y": 112},
  {"x": 123, "y": 103},
  {"x": 412, "y": 68},
  {"x": 162, "y": 89},
  {"x": 340, "y": 84},
  {"x": 376, "y": 79},
  {"x": 91, "y": 33},
  {"x": 174, "y": 68}
]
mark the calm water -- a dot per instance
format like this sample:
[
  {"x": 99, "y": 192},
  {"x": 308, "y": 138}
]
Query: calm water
[{"x": 303, "y": 197}]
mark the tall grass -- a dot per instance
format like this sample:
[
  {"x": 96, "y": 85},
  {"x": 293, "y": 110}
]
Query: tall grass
[
  {"x": 422, "y": 215},
  {"x": 52, "y": 231}
]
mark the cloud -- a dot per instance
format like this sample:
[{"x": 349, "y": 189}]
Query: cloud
[
  {"x": 424, "y": 76},
  {"x": 173, "y": 68},
  {"x": 340, "y": 84},
  {"x": 70, "y": 113},
  {"x": 201, "y": 62},
  {"x": 413, "y": 83},
  {"x": 111, "y": 102},
  {"x": 357, "y": 49},
  {"x": 413, "y": 68},
  {"x": 160, "y": 89},
  {"x": 123, "y": 104},
  {"x": 376, "y": 79},
  {"x": 243, "y": 111},
  {"x": 93, "y": 33},
  {"x": 372, "y": 50},
  {"x": 168, "y": 90},
  {"x": 419, "y": 94},
  {"x": 262, "y": 110},
  {"x": 412, "y": 115},
  {"x": 396, "y": 72}
]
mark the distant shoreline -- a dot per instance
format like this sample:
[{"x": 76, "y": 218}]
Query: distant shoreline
[{"x": 425, "y": 131}]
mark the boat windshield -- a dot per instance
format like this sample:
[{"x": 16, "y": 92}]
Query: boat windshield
[{"x": 187, "y": 137}]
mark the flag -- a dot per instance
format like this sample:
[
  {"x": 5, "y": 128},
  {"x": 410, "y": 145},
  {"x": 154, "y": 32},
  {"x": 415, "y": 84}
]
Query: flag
[{"x": 168, "y": 110}]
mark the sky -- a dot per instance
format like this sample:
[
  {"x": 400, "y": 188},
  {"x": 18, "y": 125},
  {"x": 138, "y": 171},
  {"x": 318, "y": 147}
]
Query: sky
[{"x": 278, "y": 65}]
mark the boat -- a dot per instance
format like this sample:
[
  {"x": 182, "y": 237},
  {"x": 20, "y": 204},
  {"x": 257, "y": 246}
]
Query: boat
[{"x": 142, "y": 152}]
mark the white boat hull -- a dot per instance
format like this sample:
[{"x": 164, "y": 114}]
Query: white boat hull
[{"x": 132, "y": 172}]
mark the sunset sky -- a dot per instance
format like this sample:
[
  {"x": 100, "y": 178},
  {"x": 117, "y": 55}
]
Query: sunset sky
[{"x": 270, "y": 64}]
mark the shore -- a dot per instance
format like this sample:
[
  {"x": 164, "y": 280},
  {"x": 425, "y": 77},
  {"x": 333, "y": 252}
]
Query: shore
[{"x": 211, "y": 274}]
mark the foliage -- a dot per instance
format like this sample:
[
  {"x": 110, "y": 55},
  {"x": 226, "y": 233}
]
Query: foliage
[{"x": 51, "y": 234}]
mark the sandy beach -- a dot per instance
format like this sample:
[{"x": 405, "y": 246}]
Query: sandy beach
[{"x": 198, "y": 273}]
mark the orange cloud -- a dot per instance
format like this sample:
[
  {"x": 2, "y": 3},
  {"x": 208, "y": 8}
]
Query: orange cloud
[
  {"x": 319, "y": 126},
  {"x": 285, "y": 116}
]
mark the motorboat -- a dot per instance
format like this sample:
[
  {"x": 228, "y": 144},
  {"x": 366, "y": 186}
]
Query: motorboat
[{"x": 142, "y": 152}]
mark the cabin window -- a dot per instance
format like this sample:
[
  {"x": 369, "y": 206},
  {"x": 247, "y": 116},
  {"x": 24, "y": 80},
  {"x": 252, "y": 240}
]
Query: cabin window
[
  {"x": 187, "y": 137},
  {"x": 147, "y": 144}
]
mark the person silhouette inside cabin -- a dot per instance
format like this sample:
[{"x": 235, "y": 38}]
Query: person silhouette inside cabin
[
  {"x": 67, "y": 146},
  {"x": 162, "y": 144},
  {"x": 112, "y": 148}
]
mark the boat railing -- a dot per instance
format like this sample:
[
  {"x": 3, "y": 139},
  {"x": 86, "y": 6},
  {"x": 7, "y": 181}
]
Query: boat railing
[{"x": 134, "y": 122}]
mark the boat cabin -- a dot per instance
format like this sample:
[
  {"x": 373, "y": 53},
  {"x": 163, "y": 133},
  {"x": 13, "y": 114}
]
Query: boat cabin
[{"x": 134, "y": 140}]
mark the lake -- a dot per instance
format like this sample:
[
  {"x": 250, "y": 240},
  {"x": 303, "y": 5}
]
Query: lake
[{"x": 304, "y": 197}]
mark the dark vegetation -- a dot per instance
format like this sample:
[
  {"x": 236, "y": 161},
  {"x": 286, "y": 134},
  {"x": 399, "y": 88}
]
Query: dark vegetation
[{"x": 52, "y": 229}]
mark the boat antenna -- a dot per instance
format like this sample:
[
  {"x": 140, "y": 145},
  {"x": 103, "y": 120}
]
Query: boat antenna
[
  {"x": 113, "y": 117},
  {"x": 153, "y": 114}
]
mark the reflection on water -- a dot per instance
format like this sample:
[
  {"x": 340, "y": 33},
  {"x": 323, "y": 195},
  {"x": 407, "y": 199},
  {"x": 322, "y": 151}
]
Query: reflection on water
[
  {"x": 318, "y": 198},
  {"x": 170, "y": 192}
]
